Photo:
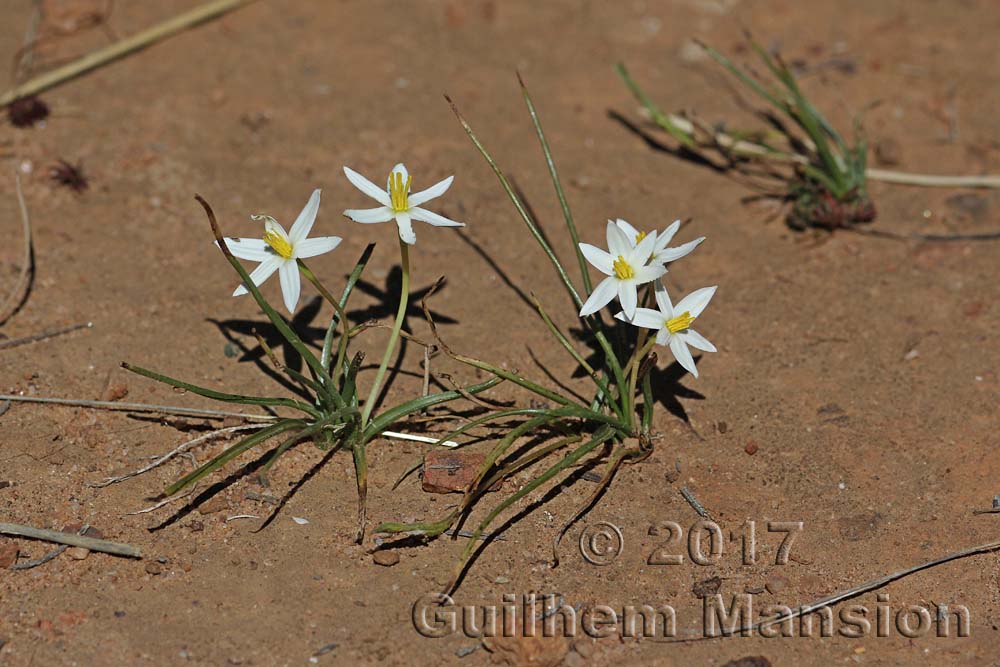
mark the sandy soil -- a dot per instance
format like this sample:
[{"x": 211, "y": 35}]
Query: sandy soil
[{"x": 861, "y": 372}]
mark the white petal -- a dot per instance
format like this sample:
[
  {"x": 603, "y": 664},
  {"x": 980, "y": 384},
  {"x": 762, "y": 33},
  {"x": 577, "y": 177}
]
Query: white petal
[
  {"x": 273, "y": 226},
  {"x": 631, "y": 232},
  {"x": 647, "y": 274},
  {"x": 663, "y": 300},
  {"x": 288, "y": 274},
  {"x": 683, "y": 355},
  {"x": 316, "y": 246},
  {"x": 304, "y": 223},
  {"x": 366, "y": 186},
  {"x": 601, "y": 260},
  {"x": 618, "y": 243},
  {"x": 644, "y": 317},
  {"x": 398, "y": 169},
  {"x": 669, "y": 232},
  {"x": 405, "y": 228},
  {"x": 602, "y": 295},
  {"x": 628, "y": 297},
  {"x": 697, "y": 341},
  {"x": 432, "y": 218},
  {"x": 261, "y": 273},
  {"x": 255, "y": 250},
  {"x": 673, "y": 254},
  {"x": 436, "y": 190},
  {"x": 696, "y": 301},
  {"x": 641, "y": 254},
  {"x": 369, "y": 215},
  {"x": 663, "y": 336}
]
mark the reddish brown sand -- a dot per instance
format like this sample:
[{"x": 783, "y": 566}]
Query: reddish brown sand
[{"x": 861, "y": 372}]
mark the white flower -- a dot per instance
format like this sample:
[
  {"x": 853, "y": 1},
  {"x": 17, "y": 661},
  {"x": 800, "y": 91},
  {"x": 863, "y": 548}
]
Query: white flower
[
  {"x": 661, "y": 253},
  {"x": 277, "y": 251},
  {"x": 673, "y": 323},
  {"x": 625, "y": 266},
  {"x": 397, "y": 202}
]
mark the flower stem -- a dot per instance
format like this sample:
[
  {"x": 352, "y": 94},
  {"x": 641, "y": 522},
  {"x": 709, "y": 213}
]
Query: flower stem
[
  {"x": 404, "y": 296},
  {"x": 321, "y": 288},
  {"x": 634, "y": 376}
]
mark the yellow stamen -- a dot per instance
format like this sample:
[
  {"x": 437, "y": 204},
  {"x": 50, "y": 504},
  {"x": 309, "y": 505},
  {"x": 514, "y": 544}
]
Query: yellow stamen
[
  {"x": 622, "y": 269},
  {"x": 640, "y": 236},
  {"x": 680, "y": 323},
  {"x": 399, "y": 192},
  {"x": 278, "y": 243}
]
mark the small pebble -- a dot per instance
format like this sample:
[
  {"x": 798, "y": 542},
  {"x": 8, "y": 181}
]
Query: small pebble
[
  {"x": 502, "y": 580},
  {"x": 299, "y": 520},
  {"x": 775, "y": 584},
  {"x": 722, "y": 427},
  {"x": 751, "y": 448},
  {"x": 8, "y": 554},
  {"x": 154, "y": 569},
  {"x": 386, "y": 558},
  {"x": 78, "y": 553}
]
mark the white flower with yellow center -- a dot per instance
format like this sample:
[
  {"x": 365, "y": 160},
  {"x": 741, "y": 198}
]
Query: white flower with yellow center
[
  {"x": 397, "y": 202},
  {"x": 278, "y": 251},
  {"x": 626, "y": 266},
  {"x": 673, "y": 323},
  {"x": 661, "y": 253}
]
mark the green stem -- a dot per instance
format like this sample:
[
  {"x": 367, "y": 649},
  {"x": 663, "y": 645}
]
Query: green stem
[
  {"x": 633, "y": 377},
  {"x": 321, "y": 288},
  {"x": 404, "y": 297}
]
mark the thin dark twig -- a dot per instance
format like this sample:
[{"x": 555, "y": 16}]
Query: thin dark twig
[
  {"x": 45, "y": 335},
  {"x": 693, "y": 502}
]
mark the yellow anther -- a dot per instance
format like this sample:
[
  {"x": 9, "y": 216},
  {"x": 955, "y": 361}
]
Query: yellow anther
[
  {"x": 278, "y": 243},
  {"x": 399, "y": 191},
  {"x": 640, "y": 236},
  {"x": 680, "y": 323},
  {"x": 622, "y": 269}
]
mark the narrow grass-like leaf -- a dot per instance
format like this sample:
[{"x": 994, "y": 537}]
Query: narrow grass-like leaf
[
  {"x": 602, "y": 435},
  {"x": 242, "y": 446},
  {"x": 554, "y": 174},
  {"x": 387, "y": 418},
  {"x": 660, "y": 118},
  {"x": 221, "y": 396}
]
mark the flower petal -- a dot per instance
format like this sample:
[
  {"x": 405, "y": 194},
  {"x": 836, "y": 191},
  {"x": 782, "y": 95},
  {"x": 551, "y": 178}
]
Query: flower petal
[
  {"x": 405, "y": 228},
  {"x": 647, "y": 274},
  {"x": 274, "y": 227},
  {"x": 304, "y": 223},
  {"x": 436, "y": 190},
  {"x": 432, "y": 218},
  {"x": 673, "y": 254},
  {"x": 663, "y": 300},
  {"x": 291, "y": 285},
  {"x": 631, "y": 232},
  {"x": 316, "y": 246},
  {"x": 618, "y": 243},
  {"x": 646, "y": 318},
  {"x": 696, "y": 301},
  {"x": 602, "y": 295},
  {"x": 366, "y": 186},
  {"x": 628, "y": 297},
  {"x": 669, "y": 232},
  {"x": 697, "y": 341},
  {"x": 642, "y": 252},
  {"x": 400, "y": 169},
  {"x": 663, "y": 336},
  {"x": 683, "y": 355},
  {"x": 369, "y": 215},
  {"x": 255, "y": 250},
  {"x": 601, "y": 260},
  {"x": 261, "y": 273}
]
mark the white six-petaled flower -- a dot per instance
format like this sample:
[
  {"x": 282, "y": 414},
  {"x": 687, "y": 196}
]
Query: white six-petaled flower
[
  {"x": 397, "y": 202},
  {"x": 626, "y": 265},
  {"x": 278, "y": 251},
  {"x": 661, "y": 253},
  {"x": 673, "y": 323}
]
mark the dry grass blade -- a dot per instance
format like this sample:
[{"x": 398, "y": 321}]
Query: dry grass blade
[{"x": 22, "y": 287}]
